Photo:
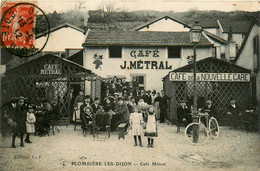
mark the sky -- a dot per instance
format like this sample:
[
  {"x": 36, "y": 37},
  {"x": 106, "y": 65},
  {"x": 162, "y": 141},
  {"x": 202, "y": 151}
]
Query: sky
[{"x": 167, "y": 5}]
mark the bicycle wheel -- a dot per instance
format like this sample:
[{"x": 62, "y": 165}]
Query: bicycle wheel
[
  {"x": 202, "y": 134},
  {"x": 214, "y": 127}
]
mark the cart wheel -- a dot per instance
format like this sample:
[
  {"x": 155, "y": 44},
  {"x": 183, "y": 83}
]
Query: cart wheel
[
  {"x": 203, "y": 134},
  {"x": 214, "y": 127}
]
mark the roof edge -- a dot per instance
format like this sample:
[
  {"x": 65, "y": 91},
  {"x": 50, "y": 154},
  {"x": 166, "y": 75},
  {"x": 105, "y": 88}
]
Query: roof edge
[{"x": 65, "y": 25}]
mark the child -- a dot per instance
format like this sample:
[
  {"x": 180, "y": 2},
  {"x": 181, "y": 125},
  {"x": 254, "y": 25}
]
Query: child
[
  {"x": 151, "y": 127},
  {"x": 136, "y": 120},
  {"x": 30, "y": 120}
]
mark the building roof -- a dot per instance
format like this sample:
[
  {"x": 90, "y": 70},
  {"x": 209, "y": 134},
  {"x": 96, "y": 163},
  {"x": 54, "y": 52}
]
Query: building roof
[
  {"x": 237, "y": 26},
  {"x": 157, "y": 19},
  {"x": 77, "y": 57},
  {"x": 209, "y": 24},
  {"x": 44, "y": 60},
  {"x": 215, "y": 37},
  {"x": 65, "y": 25},
  {"x": 141, "y": 38}
]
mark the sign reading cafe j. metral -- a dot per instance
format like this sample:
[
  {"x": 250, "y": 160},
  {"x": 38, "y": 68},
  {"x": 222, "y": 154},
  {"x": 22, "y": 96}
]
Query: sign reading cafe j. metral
[
  {"x": 49, "y": 69},
  {"x": 145, "y": 64},
  {"x": 216, "y": 77}
]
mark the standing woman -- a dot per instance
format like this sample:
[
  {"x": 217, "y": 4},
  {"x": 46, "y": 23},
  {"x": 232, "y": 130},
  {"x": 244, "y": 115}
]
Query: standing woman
[{"x": 17, "y": 121}]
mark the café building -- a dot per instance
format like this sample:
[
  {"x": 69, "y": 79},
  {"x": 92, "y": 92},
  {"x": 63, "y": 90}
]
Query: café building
[{"x": 148, "y": 56}]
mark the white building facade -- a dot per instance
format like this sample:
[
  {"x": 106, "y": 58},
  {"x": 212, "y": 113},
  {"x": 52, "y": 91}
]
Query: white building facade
[{"x": 148, "y": 55}]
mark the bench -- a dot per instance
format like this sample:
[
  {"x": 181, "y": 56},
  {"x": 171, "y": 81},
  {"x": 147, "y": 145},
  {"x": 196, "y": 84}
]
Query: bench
[{"x": 121, "y": 130}]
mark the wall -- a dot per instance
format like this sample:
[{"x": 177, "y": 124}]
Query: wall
[
  {"x": 238, "y": 38},
  {"x": 112, "y": 66},
  {"x": 165, "y": 25},
  {"x": 246, "y": 58},
  {"x": 61, "y": 39}
]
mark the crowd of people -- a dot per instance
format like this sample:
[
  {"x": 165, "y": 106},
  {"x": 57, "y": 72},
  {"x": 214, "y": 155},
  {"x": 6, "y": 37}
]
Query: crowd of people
[{"x": 124, "y": 102}]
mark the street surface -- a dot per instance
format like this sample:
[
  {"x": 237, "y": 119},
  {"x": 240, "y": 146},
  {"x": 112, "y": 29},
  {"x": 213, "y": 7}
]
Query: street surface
[{"x": 69, "y": 150}]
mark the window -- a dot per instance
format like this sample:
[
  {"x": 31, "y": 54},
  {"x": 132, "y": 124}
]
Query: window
[
  {"x": 115, "y": 51},
  {"x": 256, "y": 55},
  {"x": 141, "y": 81},
  {"x": 214, "y": 52},
  {"x": 174, "y": 52}
]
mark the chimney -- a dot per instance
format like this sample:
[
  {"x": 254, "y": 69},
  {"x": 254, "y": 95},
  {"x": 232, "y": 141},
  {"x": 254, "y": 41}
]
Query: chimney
[{"x": 231, "y": 46}]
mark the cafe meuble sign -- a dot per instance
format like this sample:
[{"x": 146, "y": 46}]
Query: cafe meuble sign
[{"x": 143, "y": 63}]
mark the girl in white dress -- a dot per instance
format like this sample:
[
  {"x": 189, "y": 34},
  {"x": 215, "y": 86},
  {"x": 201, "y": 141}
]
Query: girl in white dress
[
  {"x": 30, "y": 121},
  {"x": 136, "y": 121},
  {"x": 151, "y": 127}
]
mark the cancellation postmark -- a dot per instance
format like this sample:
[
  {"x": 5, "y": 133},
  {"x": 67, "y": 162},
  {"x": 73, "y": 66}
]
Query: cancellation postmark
[{"x": 20, "y": 24}]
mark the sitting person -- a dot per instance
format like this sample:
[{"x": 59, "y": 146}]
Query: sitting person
[
  {"x": 83, "y": 109},
  {"x": 86, "y": 117},
  {"x": 234, "y": 112},
  {"x": 44, "y": 121},
  {"x": 183, "y": 115},
  {"x": 96, "y": 106},
  {"x": 108, "y": 105},
  {"x": 120, "y": 115},
  {"x": 211, "y": 110}
]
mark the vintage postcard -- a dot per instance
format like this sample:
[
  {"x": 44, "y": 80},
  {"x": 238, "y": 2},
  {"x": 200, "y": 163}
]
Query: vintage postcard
[{"x": 129, "y": 85}]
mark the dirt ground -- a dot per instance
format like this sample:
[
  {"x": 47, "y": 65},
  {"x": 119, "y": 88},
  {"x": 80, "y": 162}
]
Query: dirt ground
[{"x": 69, "y": 150}]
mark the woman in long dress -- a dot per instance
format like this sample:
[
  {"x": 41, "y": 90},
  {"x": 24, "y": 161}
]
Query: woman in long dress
[{"x": 136, "y": 121}]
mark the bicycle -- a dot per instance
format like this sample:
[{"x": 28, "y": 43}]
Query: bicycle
[{"x": 202, "y": 131}]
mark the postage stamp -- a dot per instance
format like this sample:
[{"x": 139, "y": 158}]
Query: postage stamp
[{"x": 19, "y": 24}]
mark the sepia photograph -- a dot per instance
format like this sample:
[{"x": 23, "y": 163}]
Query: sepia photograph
[{"x": 129, "y": 85}]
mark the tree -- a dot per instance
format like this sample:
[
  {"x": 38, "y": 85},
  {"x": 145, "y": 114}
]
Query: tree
[{"x": 107, "y": 14}]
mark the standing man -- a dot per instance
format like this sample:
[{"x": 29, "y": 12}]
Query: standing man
[
  {"x": 68, "y": 100},
  {"x": 17, "y": 121},
  {"x": 234, "y": 112},
  {"x": 163, "y": 106},
  {"x": 149, "y": 97}
]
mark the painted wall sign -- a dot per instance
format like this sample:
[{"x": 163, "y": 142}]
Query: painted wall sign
[
  {"x": 145, "y": 53},
  {"x": 213, "y": 77},
  {"x": 49, "y": 69},
  {"x": 145, "y": 65}
]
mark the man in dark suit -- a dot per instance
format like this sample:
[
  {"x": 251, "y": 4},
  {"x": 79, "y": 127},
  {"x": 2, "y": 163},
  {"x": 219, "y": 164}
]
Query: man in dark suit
[
  {"x": 183, "y": 115},
  {"x": 149, "y": 97},
  {"x": 96, "y": 106},
  {"x": 163, "y": 106},
  {"x": 211, "y": 110},
  {"x": 234, "y": 112}
]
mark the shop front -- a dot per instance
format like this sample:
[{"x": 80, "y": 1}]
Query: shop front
[
  {"x": 148, "y": 56},
  {"x": 217, "y": 80}
]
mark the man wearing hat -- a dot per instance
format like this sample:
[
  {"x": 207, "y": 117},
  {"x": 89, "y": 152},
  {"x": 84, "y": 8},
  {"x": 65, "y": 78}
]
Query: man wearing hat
[
  {"x": 183, "y": 115},
  {"x": 211, "y": 110},
  {"x": 149, "y": 97},
  {"x": 96, "y": 105},
  {"x": 120, "y": 115},
  {"x": 17, "y": 121}
]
